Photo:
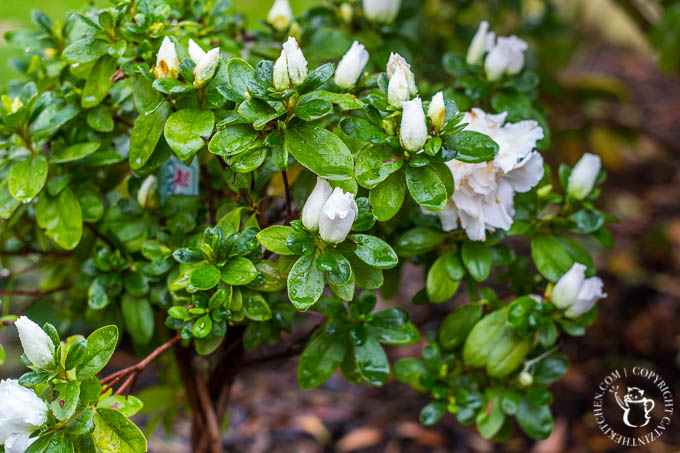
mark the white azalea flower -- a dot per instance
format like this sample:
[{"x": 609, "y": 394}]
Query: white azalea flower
[
  {"x": 397, "y": 89},
  {"x": 575, "y": 293},
  {"x": 196, "y": 53},
  {"x": 384, "y": 11},
  {"x": 413, "y": 132},
  {"x": 37, "y": 345},
  {"x": 505, "y": 57},
  {"x": 482, "y": 42},
  {"x": 351, "y": 66},
  {"x": 396, "y": 64},
  {"x": 167, "y": 64},
  {"x": 22, "y": 413},
  {"x": 437, "y": 110},
  {"x": 297, "y": 64},
  {"x": 281, "y": 80},
  {"x": 206, "y": 62},
  {"x": 483, "y": 199},
  {"x": 583, "y": 176},
  {"x": 147, "y": 191},
  {"x": 314, "y": 204},
  {"x": 280, "y": 15},
  {"x": 337, "y": 216}
]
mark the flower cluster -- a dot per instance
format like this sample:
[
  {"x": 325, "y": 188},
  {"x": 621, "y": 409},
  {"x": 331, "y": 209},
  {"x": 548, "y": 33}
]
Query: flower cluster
[
  {"x": 330, "y": 211},
  {"x": 505, "y": 54}
]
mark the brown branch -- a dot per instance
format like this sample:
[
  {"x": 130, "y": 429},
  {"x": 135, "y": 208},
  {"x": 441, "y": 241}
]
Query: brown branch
[
  {"x": 33, "y": 292},
  {"x": 633, "y": 11},
  {"x": 289, "y": 209},
  {"x": 214, "y": 438},
  {"x": 292, "y": 350}
]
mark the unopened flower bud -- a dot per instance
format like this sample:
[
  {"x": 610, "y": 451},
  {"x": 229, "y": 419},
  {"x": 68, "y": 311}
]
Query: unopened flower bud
[
  {"x": 37, "y": 345},
  {"x": 281, "y": 80},
  {"x": 280, "y": 15},
  {"x": 314, "y": 204},
  {"x": 147, "y": 197},
  {"x": 384, "y": 11},
  {"x": 397, "y": 63},
  {"x": 575, "y": 293},
  {"x": 525, "y": 379},
  {"x": 205, "y": 69},
  {"x": 337, "y": 216},
  {"x": 297, "y": 64},
  {"x": 583, "y": 176},
  {"x": 397, "y": 89},
  {"x": 351, "y": 66},
  {"x": 167, "y": 64},
  {"x": 481, "y": 42},
  {"x": 346, "y": 12},
  {"x": 413, "y": 127},
  {"x": 196, "y": 53},
  {"x": 437, "y": 110}
]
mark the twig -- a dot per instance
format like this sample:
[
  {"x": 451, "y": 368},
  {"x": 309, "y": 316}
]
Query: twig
[
  {"x": 291, "y": 351},
  {"x": 209, "y": 413}
]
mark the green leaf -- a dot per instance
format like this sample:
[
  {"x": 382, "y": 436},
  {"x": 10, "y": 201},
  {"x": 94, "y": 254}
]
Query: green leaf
[
  {"x": 320, "y": 151},
  {"x": 66, "y": 399},
  {"x": 240, "y": 72},
  {"x": 375, "y": 164},
  {"x": 374, "y": 251},
  {"x": 319, "y": 360},
  {"x": 61, "y": 217},
  {"x": 249, "y": 160},
  {"x": 205, "y": 277},
  {"x": 550, "y": 258},
  {"x": 313, "y": 109},
  {"x": 189, "y": 255},
  {"x": 477, "y": 259},
  {"x": 274, "y": 239},
  {"x": 432, "y": 413},
  {"x": 550, "y": 369},
  {"x": 85, "y": 50},
  {"x": 409, "y": 372},
  {"x": 73, "y": 152},
  {"x": 491, "y": 418},
  {"x": 536, "y": 422},
  {"x": 232, "y": 140},
  {"x": 440, "y": 287},
  {"x": 139, "y": 318},
  {"x": 98, "y": 82},
  {"x": 27, "y": 177},
  {"x": 392, "y": 327},
  {"x": 482, "y": 337},
  {"x": 507, "y": 353},
  {"x": 388, "y": 196},
  {"x": 8, "y": 204},
  {"x": 256, "y": 307},
  {"x": 187, "y": 131},
  {"x": 126, "y": 405},
  {"x": 372, "y": 361},
  {"x": 316, "y": 78},
  {"x": 53, "y": 117},
  {"x": 419, "y": 240},
  {"x": 471, "y": 147},
  {"x": 114, "y": 432},
  {"x": 100, "y": 119},
  {"x": 238, "y": 271},
  {"x": 511, "y": 400},
  {"x": 76, "y": 353},
  {"x": 146, "y": 132},
  {"x": 426, "y": 188},
  {"x": 202, "y": 327},
  {"x": 100, "y": 346},
  {"x": 305, "y": 282},
  {"x": 82, "y": 422}
]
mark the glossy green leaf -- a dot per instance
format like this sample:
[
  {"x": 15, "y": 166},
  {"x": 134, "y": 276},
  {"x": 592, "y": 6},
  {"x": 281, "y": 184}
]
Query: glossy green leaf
[
  {"x": 114, "y": 432},
  {"x": 73, "y": 152},
  {"x": 146, "y": 132},
  {"x": 426, "y": 188},
  {"x": 100, "y": 346},
  {"x": 139, "y": 318},
  {"x": 187, "y": 131},
  {"x": 319, "y": 360},
  {"x": 305, "y": 282},
  {"x": 321, "y": 151},
  {"x": 61, "y": 217},
  {"x": 374, "y": 251},
  {"x": 274, "y": 239},
  {"x": 477, "y": 259},
  {"x": 238, "y": 271},
  {"x": 27, "y": 177}
]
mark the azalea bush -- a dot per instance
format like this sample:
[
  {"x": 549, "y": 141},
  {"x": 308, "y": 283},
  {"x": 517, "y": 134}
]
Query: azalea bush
[{"x": 189, "y": 184}]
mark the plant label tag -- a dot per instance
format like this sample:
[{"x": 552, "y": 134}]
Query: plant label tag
[{"x": 176, "y": 178}]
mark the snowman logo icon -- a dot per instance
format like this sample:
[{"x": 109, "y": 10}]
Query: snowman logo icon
[{"x": 636, "y": 408}]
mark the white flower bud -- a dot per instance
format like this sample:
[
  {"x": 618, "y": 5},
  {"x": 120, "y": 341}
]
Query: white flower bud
[
  {"x": 314, "y": 204},
  {"x": 147, "y": 196},
  {"x": 478, "y": 45},
  {"x": 384, "y": 11},
  {"x": 167, "y": 64},
  {"x": 397, "y": 63},
  {"x": 281, "y": 80},
  {"x": 397, "y": 90},
  {"x": 346, "y": 12},
  {"x": 280, "y": 15},
  {"x": 196, "y": 53},
  {"x": 576, "y": 294},
  {"x": 337, "y": 216},
  {"x": 297, "y": 65},
  {"x": 37, "y": 345},
  {"x": 437, "y": 110},
  {"x": 506, "y": 57},
  {"x": 22, "y": 413},
  {"x": 205, "y": 69},
  {"x": 413, "y": 128},
  {"x": 583, "y": 176},
  {"x": 525, "y": 379},
  {"x": 351, "y": 66}
]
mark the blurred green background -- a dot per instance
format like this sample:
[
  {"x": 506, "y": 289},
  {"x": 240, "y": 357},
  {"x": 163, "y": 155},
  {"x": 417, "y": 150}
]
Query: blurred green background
[{"x": 18, "y": 14}]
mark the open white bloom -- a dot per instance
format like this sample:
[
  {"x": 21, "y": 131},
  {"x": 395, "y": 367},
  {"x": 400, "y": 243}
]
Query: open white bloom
[
  {"x": 22, "y": 413},
  {"x": 337, "y": 216},
  {"x": 37, "y": 345},
  {"x": 480, "y": 44},
  {"x": 575, "y": 293},
  {"x": 384, "y": 11},
  {"x": 583, "y": 176},
  {"x": 314, "y": 204},
  {"x": 297, "y": 64},
  {"x": 206, "y": 62},
  {"x": 281, "y": 80},
  {"x": 437, "y": 110},
  {"x": 413, "y": 132},
  {"x": 351, "y": 66},
  {"x": 505, "y": 57},
  {"x": 483, "y": 198},
  {"x": 397, "y": 64},
  {"x": 280, "y": 15},
  {"x": 167, "y": 64}
]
